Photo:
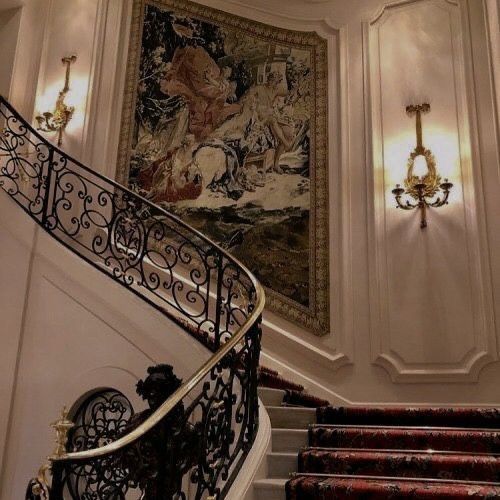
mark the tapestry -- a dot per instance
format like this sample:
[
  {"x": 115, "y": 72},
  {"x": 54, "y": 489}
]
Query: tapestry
[{"x": 225, "y": 125}]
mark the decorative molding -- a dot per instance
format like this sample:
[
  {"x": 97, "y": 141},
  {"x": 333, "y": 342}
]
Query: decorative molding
[
  {"x": 312, "y": 386},
  {"x": 338, "y": 398},
  {"x": 77, "y": 293},
  {"x": 279, "y": 19},
  {"x": 466, "y": 371},
  {"x": 108, "y": 83},
  {"x": 16, "y": 227},
  {"x": 384, "y": 352},
  {"x": 492, "y": 8},
  {"x": 295, "y": 348},
  {"x": 387, "y": 9},
  {"x": 94, "y": 83},
  {"x": 29, "y": 66},
  {"x": 12, "y": 50}
]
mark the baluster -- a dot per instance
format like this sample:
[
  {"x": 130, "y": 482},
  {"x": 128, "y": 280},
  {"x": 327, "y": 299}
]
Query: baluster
[
  {"x": 219, "y": 299},
  {"x": 56, "y": 490},
  {"x": 48, "y": 199}
]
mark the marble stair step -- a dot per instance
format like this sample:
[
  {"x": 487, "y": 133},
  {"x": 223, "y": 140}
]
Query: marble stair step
[
  {"x": 270, "y": 489},
  {"x": 316, "y": 486},
  {"x": 281, "y": 464},
  {"x": 291, "y": 417},
  {"x": 400, "y": 463},
  {"x": 289, "y": 440},
  {"x": 459, "y": 417},
  {"x": 415, "y": 438},
  {"x": 271, "y": 397}
]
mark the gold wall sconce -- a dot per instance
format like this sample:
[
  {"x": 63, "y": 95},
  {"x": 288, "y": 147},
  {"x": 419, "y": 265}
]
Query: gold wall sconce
[
  {"x": 422, "y": 183},
  {"x": 57, "y": 120}
]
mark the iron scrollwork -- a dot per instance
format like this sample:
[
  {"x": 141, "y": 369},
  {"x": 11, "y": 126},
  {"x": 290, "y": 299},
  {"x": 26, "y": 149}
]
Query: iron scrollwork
[
  {"x": 98, "y": 420},
  {"x": 198, "y": 447},
  {"x": 196, "y": 450},
  {"x": 151, "y": 458}
]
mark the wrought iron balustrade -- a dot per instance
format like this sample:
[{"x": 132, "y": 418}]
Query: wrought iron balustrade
[{"x": 179, "y": 272}]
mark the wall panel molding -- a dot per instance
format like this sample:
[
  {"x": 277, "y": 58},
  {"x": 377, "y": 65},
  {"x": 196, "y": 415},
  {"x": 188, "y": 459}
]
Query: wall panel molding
[
  {"x": 431, "y": 302},
  {"x": 109, "y": 61}
]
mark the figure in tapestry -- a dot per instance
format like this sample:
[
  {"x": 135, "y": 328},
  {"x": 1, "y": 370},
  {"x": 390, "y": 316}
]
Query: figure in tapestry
[{"x": 222, "y": 139}]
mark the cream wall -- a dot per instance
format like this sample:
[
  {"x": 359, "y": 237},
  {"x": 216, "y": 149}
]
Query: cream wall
[
  {"x": 415, "y": 314},
  {"x": 28, "y": 53}
]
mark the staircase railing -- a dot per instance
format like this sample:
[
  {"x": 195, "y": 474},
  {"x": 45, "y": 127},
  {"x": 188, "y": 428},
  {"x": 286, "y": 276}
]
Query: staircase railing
[{"x": 192, "y": 445}]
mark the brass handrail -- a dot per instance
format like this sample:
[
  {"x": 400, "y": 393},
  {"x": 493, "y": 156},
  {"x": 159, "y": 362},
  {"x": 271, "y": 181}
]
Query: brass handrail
[{"x": 183, "y": 390}]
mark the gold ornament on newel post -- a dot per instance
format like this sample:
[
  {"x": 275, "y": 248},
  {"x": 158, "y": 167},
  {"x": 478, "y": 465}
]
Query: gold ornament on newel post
[
  {"x": 62, "y": 428},
  {"x": 39, "y": 487},
  {"x": 57, "y": 120},
  {"x": 422, "y": 182}
]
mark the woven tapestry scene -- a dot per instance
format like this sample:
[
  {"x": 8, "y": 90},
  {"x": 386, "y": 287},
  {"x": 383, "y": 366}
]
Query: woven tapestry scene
[{"x": 221, "y": 137}]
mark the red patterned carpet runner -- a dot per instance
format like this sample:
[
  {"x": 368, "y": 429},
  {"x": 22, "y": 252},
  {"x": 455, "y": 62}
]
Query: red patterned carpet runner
[
  {"x": 478, "y": 418},
  {"x": 378, "y": 453},
  {"x": 444, "y": 439},
  {"x": 330, "y": 488}
]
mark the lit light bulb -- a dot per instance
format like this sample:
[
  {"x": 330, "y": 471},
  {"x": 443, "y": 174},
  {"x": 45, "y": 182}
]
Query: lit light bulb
[{"x": 420, "y": 166}]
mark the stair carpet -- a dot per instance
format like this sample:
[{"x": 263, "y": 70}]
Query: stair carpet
[{"x": 321, "y": 452}]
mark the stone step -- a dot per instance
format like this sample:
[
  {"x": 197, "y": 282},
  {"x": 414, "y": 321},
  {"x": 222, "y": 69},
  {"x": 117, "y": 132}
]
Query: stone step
[
  {"x": 418, "y": 465},
  {"x": 290, "y": 417},
  {"x": 270, "y": 489},
  {"x": 417, "y": 438},
  {"x": 316, "y": 486},
  {"x": 402, "y": 416},
  {"x": 281, "y": 464},
  {"x": 289, "y": 440},
  {"x": 271, "y": 397}
]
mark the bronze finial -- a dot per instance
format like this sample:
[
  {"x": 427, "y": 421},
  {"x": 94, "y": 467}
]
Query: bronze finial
[{"x": 62, "y": 427}]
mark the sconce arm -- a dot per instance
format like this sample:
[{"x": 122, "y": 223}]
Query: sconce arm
[
  {"x": 445, "y": 188},
  {"x": 438, "y": 202},
  {"x": 407, "y": 205},
  {"x": 398, "y": 194}
]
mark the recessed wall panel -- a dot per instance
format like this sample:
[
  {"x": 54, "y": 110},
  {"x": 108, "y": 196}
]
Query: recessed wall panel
[{"x": 431, "y": 316}]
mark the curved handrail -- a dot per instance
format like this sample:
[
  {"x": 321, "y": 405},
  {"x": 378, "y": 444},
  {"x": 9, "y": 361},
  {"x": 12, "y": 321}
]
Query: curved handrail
[
  {"x": 171, "y": 402},
  {"x": 165, "y": 213},
  {"x": 52, "y": 163}
]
